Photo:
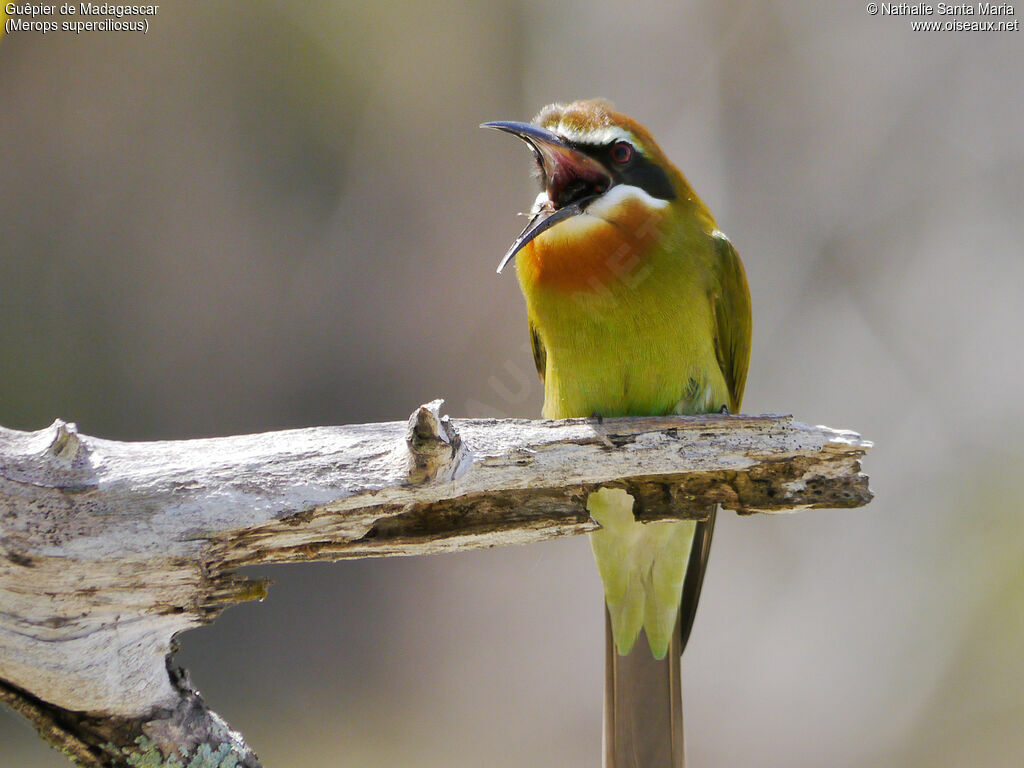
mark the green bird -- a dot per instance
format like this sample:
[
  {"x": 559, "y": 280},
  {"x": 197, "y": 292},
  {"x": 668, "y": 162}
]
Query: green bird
[{"x": 638, "y": 306}]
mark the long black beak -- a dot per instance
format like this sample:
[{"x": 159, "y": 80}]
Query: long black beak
[{"x": 571, "y": 178}]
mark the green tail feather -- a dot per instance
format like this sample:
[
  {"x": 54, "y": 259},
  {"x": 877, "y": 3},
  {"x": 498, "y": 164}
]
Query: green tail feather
[{"x": 642, "y": 567}]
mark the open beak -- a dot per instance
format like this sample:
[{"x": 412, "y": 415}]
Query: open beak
[{"x": 571, "y": 179}]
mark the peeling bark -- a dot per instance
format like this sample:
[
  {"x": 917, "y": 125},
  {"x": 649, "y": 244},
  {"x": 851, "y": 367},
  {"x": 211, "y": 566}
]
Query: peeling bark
[{"x": 108, "y": 550}]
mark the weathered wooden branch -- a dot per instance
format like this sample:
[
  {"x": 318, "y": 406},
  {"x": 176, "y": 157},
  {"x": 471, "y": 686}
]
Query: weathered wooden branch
[{"x": 108, "y": 550}]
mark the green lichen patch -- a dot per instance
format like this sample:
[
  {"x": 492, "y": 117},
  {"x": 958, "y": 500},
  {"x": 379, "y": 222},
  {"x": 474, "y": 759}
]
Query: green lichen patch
[{"x": 148, "y": 755}]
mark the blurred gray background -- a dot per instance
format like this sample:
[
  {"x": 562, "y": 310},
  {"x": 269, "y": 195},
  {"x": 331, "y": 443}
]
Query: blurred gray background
[{"x": 276, "y": 214}]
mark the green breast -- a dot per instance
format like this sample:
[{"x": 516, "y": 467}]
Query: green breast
[{"x": 640, "y": 345}]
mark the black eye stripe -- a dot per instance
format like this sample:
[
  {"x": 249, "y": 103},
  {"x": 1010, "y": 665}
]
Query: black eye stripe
[
  {"x": 649, "y": 177},
  {"x": 639, "y": 172}
]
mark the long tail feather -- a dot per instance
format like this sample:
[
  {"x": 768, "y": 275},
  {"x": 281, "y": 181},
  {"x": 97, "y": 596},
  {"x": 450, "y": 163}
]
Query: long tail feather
[
  {"x": 695, "y": 576},
  {"x": 643, "y": 708}
]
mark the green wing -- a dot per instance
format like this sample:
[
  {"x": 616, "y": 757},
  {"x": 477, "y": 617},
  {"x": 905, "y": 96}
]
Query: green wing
[
  {"x": 731, "y": 302},
  {"x": 732, "y": 319},
  {"x": 540, "y": 355}
]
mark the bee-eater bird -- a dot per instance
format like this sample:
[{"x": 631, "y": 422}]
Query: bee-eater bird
[{"x": 637, "y": 305}]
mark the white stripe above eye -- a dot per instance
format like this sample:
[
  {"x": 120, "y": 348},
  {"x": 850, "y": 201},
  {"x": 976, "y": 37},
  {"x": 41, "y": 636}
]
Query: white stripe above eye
[{"x": 595, "y": 136}]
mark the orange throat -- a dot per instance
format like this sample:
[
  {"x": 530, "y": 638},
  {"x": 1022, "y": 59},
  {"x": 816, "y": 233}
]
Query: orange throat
[{"x": 589, "y": 254}]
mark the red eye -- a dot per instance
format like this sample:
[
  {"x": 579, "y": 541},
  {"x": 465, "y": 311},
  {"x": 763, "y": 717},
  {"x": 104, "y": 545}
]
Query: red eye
[{"x": 622, "y": 152}]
